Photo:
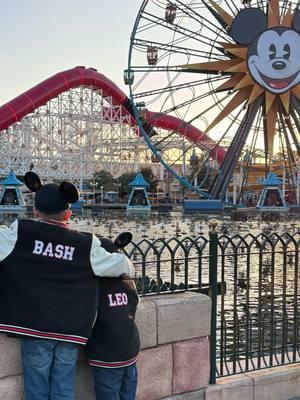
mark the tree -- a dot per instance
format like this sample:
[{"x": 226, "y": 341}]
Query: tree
[
  {"x": 150, "y": 178},
  {"x": 105, "y": 179},
  {"x": 124, "y": 181}
]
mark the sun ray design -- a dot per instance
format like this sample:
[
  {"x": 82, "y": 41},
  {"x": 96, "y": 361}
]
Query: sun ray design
[
  {"x": 231, "y": 83},
  {"x": 255, "y": 93},
  {"x": 270, "y": 97},
  {"x": 245, "y": 81},
  {"x": 285, "y": 100},
  {"x": 222, "y": 13},
  {"x": 215, "y": 66},
  {"x": 245, "y": 87},
  {"x": 287, "y": 19},
  {"x": 273, "y": 13},
  {"x": 240, "y": 52},
  {"x": 296, "y": 91},
  {"x": 239, "y": 98},
  {"x": 240, "y": 67}
]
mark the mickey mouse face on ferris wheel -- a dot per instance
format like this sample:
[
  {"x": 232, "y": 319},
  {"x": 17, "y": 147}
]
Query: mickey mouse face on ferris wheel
[{"x": 273, "y": 54}]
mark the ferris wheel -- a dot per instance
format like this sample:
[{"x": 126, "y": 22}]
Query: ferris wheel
[{"x": 229, "y": 71}]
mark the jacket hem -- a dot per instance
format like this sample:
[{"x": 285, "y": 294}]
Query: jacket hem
[
  {"x": 110, "y": 364},
  {"x": 19, "y": 330}
]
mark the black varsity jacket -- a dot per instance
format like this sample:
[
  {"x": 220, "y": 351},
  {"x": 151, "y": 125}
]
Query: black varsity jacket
[
  {"x": 115, "y": 341},
  {"x": 48, "y": 282}
]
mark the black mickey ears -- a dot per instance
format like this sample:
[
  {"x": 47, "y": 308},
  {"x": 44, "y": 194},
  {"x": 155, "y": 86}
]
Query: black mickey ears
[
  {"x": 123, "y": 239},
  {"x": 32, "y": 181},
  {"x": 69, "y": 191},
  {"x": 247, "y": 24},
  {"x": 296, "y": 21}
]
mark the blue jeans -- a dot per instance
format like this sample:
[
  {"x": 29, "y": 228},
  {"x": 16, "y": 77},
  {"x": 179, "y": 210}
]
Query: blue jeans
[
  {"x": 49, "y": 368},
  {"x": 115, "y": 383}
]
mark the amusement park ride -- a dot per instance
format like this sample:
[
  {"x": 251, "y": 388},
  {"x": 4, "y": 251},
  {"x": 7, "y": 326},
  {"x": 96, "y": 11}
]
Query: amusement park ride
[
  {"x": 229, "y": 68},
  {"x": 214, "y": 100}
]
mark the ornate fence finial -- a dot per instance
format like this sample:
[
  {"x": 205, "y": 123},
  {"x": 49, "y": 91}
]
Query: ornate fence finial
[{"x": 213, "y": 223}]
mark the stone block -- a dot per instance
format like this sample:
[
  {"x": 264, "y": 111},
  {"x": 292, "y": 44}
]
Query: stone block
[
  {"x": 147, "y": 324},
  {"x": 155, "y": 369},
  {"x": 182, "y": 316},
  {"x": 84, "y": 382},
  {"x": 11, "y": 388},
  {"x": 198, "y": 395},
  {"x": 190, "y": 365},
  {"x": 237, "y": 387},
  {"x": 10, "y": 356},
  {"x": 278, "y": 383}
]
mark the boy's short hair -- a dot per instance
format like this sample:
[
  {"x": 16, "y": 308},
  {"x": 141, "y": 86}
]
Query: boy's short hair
[{"x": 59, "y": 216}]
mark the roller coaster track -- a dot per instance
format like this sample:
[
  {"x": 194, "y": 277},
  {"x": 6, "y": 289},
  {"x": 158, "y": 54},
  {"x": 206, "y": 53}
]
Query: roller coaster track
[{"x": 29, "y": 101}]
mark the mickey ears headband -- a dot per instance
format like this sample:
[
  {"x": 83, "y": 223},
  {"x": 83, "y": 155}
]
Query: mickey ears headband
[
  {"x": 68, "y": 190},
  {"x": 249, "y": 22}
]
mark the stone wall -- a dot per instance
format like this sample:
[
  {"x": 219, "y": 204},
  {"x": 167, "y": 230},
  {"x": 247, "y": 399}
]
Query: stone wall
[{"x": 174, "y": 358}]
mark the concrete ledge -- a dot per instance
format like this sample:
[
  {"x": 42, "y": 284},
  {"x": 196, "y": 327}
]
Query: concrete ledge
[
  {"x": 238, "y": 387},
  {"x": 198, "y": 395},
  {"x": 280, "y": 383},
  {"x": 182, "y": 316}
]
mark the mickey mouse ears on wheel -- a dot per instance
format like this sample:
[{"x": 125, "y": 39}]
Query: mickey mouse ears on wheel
[
  {"x": 250, "y": 22},
  {"x": 247, "y": 24},
  {"x": 51, "y": 198}
]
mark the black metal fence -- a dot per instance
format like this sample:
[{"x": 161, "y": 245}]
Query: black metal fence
[{"x": 253, "y": 281}]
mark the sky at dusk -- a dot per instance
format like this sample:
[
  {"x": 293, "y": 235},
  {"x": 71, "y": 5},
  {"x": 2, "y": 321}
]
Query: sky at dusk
[{"x": 40, "y": 38}]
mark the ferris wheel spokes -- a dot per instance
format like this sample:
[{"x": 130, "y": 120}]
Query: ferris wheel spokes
[{"x": 173, "y": 42}]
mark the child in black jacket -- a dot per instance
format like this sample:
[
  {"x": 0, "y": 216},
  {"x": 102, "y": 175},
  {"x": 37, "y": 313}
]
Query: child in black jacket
[{"x": 113, "y": 347}]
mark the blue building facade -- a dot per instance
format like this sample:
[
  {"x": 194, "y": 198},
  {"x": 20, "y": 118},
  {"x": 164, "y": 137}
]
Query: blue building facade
[
  {"x": 138, "y": 198},
  {"x": 11, "y": 198}
]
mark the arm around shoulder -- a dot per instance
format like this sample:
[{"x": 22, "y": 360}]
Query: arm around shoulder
[{"x": 107, "y": 264}]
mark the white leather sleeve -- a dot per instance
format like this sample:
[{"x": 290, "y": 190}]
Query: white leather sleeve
[
  {"x": 8, "y": 239},
  {"x": 109, "y": 264}
]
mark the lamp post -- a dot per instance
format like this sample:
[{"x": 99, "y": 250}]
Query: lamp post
[
  {"x": 117, "y": 184},
  {"x": 101, "y": 191}
]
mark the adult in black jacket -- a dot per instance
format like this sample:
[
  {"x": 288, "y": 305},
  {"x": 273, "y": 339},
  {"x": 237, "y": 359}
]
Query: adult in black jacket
[{"x": 49, "y": 289}]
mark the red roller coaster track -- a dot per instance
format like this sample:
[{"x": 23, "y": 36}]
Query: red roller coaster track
[{"x": 27, "y": 102}]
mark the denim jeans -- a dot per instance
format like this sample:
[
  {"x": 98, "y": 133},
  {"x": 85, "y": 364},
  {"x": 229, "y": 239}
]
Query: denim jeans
[
  {"x": 115, "y": 383},
  {"x": 49, "y": 368}
]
